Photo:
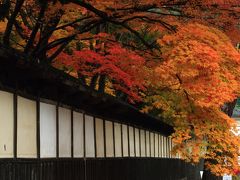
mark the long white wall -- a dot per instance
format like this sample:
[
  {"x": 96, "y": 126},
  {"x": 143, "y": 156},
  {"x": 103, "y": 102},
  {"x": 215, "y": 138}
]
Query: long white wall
[{"x": 65, "y": 133}]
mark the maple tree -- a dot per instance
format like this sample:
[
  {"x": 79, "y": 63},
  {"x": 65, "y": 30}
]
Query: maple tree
[
  {"x": 163, "y": 53},
  {"x": 121, "y": 67},
  {"x": 200, "y": 73}
]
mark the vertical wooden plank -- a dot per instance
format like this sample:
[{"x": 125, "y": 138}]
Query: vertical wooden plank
[
  {"x": 122, "y": 139},
  {"x": 128, "y": 140}
]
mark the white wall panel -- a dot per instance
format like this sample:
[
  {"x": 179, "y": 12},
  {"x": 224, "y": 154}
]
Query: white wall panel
[
  {"x": 6, "y": 125},
  {"x": 89, "y": 136},
  {"x": 125, "y": 140},
  {"x": 143, "y": 143},
  {"x": 147, "y": 144},
  {"x": 118, "y": 139},
  {"x": 26, "y": 128},
  {"x": 64, "y": 132},
  {"x": 78, "y": 141},
  {"x": 164, "y": 147},
  {"x": 137, "y": 140},
  {"x": 99, "y": 137},
  {"x": 168, "y": 147},
  {"x": 156, "y": 144},
  {"x": 47, "y": 130},
  {"x": 160, "y": 145},
  {"x": 109, "y": 139},
  {"x": 170, "y": 144},
  {"x": 152, "y": 144},
  {"x": 131, "y": 141}
]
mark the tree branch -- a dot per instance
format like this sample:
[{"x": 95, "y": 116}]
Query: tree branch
[
  {"x": 145, "y": 18},
  {"x": 57, "y": 52},
  {"x": 66, "y": 39},
  {"x": 91, "y": 8},
  {"x": 35, "y": 29},
  {"x": 11, "y": 21},
  {"x": 137, "y": 34}
]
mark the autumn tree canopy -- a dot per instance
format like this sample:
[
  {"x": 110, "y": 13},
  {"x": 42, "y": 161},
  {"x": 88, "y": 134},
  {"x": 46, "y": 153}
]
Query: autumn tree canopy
[
  {"x": 172, "y": 58},
  {"x": 200, "y": 73}
]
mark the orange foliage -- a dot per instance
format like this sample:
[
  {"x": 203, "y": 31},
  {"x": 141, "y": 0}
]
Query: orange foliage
[
  {"x": 199, "y": 74},
  {"x": 199, "y": 69}
]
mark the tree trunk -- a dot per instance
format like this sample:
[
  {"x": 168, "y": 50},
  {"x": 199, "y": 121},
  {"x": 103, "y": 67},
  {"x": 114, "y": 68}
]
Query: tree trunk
[
  {"x": 94, "y": 82},
  {"x": 45, "y": 36},
  {"x": 101, "y": 84},
  {"x": 35, "y": 29}
]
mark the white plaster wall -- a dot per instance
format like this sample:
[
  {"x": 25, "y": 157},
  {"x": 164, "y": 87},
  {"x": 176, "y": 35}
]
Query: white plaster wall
[
  {"x": 47, "y": 130},
  {"x": 99, "y": 137},
  {"x": 26, "y": 128},
  {"x": 6, "y": 124},
  {"x": 156, "y": 144},
  {"x": 109, "y": 139},
  {"x": 117, "y": 136},
  {"x": 160, "y": 146},
  {"x": 137, "y": 145},
  {"x": 125, "y": 140},
  {"x": 143, "y": 144},
  {"x": 89, "y": 136},
  {"x": 64, "y": 132},
  {"x": 164, "y": 147},
  {"x": 168, "y": 147},
  {"x": 152, "y": 144},
  {"x": 78, "y": 138},
  {"x": 131, "y": 141},
  {"x": 148, "y": 143}
]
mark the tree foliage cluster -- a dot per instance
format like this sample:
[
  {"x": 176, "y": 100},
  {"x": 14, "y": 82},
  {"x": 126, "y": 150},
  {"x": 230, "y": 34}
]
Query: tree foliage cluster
[{"x": 175, "y": 59}]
